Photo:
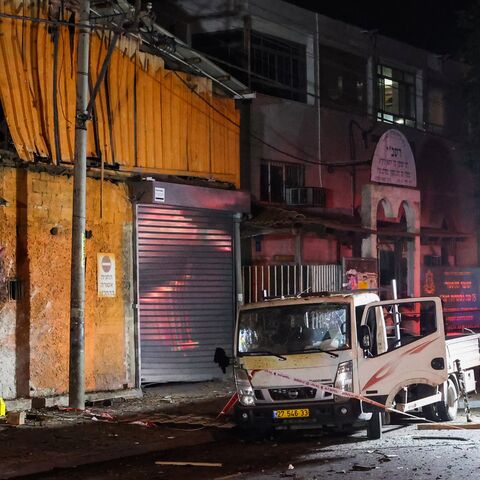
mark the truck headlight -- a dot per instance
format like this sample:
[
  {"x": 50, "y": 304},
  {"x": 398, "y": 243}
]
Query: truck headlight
[
  {"x": 343, "y": 379},
  {"x": 246, "y": 395}
]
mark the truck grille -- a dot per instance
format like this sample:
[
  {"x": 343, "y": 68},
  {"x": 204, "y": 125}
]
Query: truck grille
[{"x": 296, "y": 393}]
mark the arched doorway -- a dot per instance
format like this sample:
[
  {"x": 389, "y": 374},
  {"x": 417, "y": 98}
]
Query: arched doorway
[
  {"x": 393, "y": 216},
  {"x": 393, "y": 241}
]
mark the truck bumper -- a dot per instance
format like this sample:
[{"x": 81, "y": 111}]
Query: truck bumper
[{"x": 321, "y": 414}]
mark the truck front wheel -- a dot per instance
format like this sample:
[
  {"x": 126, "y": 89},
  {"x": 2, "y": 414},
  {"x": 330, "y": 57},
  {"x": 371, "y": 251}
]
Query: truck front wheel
[{"x": 446, "y": 409}]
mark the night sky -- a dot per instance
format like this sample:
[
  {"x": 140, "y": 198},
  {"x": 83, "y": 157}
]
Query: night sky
[{"x": 429, "y": 24}]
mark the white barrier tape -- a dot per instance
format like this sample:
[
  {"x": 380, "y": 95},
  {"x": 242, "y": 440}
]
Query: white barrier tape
[{"x": 344, "y": 393}]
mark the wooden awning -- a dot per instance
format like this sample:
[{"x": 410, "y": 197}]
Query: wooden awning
[{"x": 270, "y": 219}]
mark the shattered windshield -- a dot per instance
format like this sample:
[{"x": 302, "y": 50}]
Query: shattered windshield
[{"x": 294, "y": 329}]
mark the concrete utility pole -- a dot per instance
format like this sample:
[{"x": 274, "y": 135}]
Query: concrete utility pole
[{"x": 77, "y": 285}]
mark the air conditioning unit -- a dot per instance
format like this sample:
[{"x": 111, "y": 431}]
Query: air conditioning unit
[{"x": 306, "y": 196}]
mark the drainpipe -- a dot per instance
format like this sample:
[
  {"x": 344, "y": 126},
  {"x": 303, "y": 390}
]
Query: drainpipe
[
  {"x": 237, "y": 218},
  {"x": 317, "y": 100}
]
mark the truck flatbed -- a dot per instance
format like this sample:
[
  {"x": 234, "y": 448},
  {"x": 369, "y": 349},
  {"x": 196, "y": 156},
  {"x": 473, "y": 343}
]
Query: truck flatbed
[{"x": 463, "y": 347}]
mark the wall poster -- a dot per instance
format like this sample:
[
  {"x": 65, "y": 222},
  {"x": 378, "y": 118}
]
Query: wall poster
[{"x": 360, "y": 273}]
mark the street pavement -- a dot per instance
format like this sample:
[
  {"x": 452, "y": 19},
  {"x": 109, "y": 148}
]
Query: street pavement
[
  {"x": 121, "y": 442},
  {"x": 58, "y": 438}
]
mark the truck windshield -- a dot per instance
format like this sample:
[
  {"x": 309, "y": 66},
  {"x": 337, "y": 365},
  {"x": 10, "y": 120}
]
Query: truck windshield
[{"x": 294, "y": 329}]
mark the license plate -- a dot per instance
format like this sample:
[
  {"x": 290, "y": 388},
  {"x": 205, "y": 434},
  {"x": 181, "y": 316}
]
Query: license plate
[{"x": 292, "y": 413}]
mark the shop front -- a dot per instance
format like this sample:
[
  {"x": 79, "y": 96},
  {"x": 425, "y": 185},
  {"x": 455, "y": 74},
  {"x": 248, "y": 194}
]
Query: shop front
[{"x": 186, "y": 282}]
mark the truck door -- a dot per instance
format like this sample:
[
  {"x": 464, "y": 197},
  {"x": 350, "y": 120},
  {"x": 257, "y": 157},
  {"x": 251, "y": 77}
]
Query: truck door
[{"x": 407, "y": 346}]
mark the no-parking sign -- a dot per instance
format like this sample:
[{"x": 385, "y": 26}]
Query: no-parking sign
[{"x": 106, "y": 275}]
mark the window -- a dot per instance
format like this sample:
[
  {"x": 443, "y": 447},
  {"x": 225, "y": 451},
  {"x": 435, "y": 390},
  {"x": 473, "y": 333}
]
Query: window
[
  {"x": 436, "y": 109},
  {"x": 397, "y": 324},
  {"x": 275, "y": 178},
  {"x": 278, "y": 67},
  {"x": 282, "y": 63},
  {"x": 342, "y": 79},
  {"x": 296, "y": 328},
  {"x": 227, "y": 46},
  {"x": 396, "y": 96}
]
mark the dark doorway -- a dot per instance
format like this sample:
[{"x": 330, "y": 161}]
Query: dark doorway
[{"x": 393, "y": 265}]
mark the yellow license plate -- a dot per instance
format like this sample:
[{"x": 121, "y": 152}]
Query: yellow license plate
[{"x": 292, "y": 413}]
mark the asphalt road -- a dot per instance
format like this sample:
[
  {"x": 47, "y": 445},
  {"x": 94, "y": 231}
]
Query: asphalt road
[{"x": 404, "y": 452}]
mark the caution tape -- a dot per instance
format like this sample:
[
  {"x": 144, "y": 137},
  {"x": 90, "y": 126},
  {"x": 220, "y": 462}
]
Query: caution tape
[
  {"x": 346, "y": 394},
  {"x": 335, "y": 391},
  {"x": 326, "y": 388}
]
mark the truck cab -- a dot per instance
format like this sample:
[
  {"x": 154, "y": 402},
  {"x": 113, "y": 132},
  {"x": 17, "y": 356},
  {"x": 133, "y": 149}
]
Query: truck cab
[{"x": 319, "y": 361}]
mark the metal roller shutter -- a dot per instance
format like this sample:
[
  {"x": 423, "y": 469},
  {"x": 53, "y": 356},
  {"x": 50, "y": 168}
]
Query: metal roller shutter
[{"x": 186, "y": 291}]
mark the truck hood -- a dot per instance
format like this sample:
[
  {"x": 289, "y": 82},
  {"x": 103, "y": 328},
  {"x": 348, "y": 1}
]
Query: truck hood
[{"x": 313, "y": 367}]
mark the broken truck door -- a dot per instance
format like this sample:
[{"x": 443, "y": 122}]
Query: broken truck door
[{"x": 406, "y": 346}]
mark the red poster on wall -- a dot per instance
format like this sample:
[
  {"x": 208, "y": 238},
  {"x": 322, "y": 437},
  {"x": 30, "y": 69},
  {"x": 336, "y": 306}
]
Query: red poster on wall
[{"x": 459, "y": 290}]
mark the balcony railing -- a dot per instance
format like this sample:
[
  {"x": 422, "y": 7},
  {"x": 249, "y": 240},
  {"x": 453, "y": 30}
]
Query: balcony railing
[
  {"x": 286, "y": 280},
  {"x": 306, "y": 196}
]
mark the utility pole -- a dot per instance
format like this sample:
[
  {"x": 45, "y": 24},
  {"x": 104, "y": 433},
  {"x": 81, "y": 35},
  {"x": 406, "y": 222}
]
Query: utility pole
[{"x": 77, "y": 285}]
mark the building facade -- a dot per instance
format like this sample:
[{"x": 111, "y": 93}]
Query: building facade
[
  {"x": 163, "y": 202},
  {"x": 327, "y": 92}
]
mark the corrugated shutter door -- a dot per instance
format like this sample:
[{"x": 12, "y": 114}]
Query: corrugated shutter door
[{"x": 186, "y": 295}]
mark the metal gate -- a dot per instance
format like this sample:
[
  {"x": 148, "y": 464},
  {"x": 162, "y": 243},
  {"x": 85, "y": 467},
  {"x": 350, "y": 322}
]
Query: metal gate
[
  {"x": 285, "y": 280},
  {"x": 185, "y": 291}
]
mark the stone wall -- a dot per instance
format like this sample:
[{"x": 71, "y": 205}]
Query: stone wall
[{"x": 35, "y": 241}]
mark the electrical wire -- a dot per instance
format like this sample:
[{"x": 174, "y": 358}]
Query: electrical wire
[
  {"x": 124, "y": 13},
  {"x": 196, "y": 69},
  {"x": 288, "y": 25},
  {"x": 269, "y": 145},
  {"x": 275, "y": 83},
  {"x": 189, "y": 66},
  {"x": 57, "y": 23}
]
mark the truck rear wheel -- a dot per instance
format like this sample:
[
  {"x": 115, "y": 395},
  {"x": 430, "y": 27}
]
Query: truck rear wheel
[
  {"x": 445, "y": 410},
  {"x": 374, "y": 428}
]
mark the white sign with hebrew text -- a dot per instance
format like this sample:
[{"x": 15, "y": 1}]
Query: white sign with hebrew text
[
  {"x": 393, "y": 160},
  {"x": 106, "y": 275}
]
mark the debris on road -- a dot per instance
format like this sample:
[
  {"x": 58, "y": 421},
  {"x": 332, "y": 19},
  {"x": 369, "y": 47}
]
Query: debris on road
[
  {"x": 143, "y": 424},
  {"x": 448, "y": 426},
  {"x": 385, "y": 456},
  {"x": 166, "y": 419},
  {"x": 441, "y": 438},
  {"x": 289, "y": 472},
  {"x": 189, "y": 464},
  {"x": 15, "y": 418},
  {"x": 362, "y": 468}
]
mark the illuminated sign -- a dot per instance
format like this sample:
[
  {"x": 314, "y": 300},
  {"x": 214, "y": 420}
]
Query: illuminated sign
[
  {"x": 459, "y": 290},
  {"x": 393, "y": 160}
]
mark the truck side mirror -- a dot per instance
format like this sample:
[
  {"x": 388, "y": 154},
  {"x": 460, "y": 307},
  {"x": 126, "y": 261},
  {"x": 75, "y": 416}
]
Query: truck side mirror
[
  {"x": 221, "y": 358},
  {"x": 364, "y": 337}
]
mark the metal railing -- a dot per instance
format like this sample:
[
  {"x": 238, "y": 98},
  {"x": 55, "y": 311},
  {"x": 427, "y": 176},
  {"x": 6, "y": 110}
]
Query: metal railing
[
  {"x": 286, "y": 280},
  {"x": 306, "y": 196}
]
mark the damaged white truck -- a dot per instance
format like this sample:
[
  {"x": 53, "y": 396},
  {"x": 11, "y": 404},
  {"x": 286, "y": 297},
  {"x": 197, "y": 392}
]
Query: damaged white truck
[{"x": 289, "y": 352}]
